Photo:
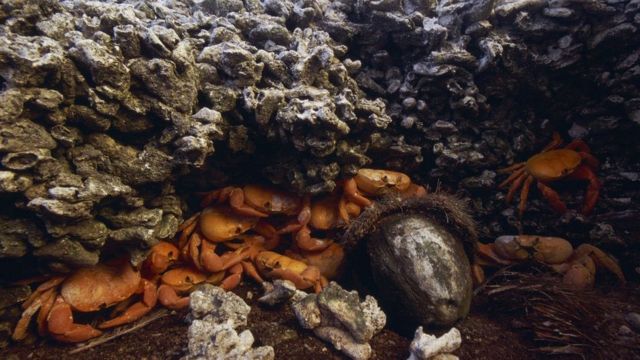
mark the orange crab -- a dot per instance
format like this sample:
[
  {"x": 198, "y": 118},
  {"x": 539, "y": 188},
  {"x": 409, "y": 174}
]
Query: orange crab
[
  {"x": 577, "y": 266},
  {"x": 182, "y": 279},
  {"x": 218, "y": 224},
  {"x": 255, "y": 200},
  {"x": 274, "y": 265},
  {"x": 373, "y": 183},
  {"x": 573, "y": 162},
  {"x": 88, "y": 289}
]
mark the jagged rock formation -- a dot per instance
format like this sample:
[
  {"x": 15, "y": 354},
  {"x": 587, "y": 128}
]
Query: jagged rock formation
[{"x": 109, "y": 111}]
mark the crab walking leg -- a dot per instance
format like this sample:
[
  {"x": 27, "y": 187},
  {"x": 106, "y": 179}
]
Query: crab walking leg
[
  {"x": 194, "y": 250},
  {"x": 589, "y": 160},
  {"x": 208, "y": 257},
  {"x": 48, "y": 298},
  {"x": 578, "y": 145},
  {"x": 514, "y": 187},
  {"x": 186, "y": 233},
  {"x": 556, "y": 141},
  {"x": 170, "y": 299},
  {"x": 231, "y": 281},
  {"x": 20, "y": 332},
  {"x": 189, "y": 221},
  {"x": 593, "y": 190},
  {"x": 251, "y": 270},
  {"x": 51, "y": 283},
  {"x": 580, "y": 274},
  {"x": 524, "y": 194},
  {"x": 601, "y": 259},
  {"x": 514, "y": 167},
  {"x": 138, "y": 309},
  {"x": 269, "y": 233},
  {"x": 308, "y": 243},
  {"x": 61, "y": 325},
  {"x": 352, "y": 193},
  {"x": 516, "y": 174},
  {"x": 552, "y": 197},
  {"x": 236, "y": 200}
]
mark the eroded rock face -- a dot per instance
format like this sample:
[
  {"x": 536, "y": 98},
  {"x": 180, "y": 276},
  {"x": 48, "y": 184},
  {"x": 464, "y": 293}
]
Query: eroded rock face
[
  {"x": 422, "y": 269},
  {"x": 113, "y": 105}
]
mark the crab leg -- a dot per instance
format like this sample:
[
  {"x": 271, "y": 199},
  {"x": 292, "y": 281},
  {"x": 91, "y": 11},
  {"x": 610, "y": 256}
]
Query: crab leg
[
  {"x": 514, "y": 167},
  {"x": 231, "y": 281},
  {"x": 236, "y": 200},
  {"x": 269, "y": 233},
  {"x": 578, "y": 145},
  {"x": 308, "y": 243},
  {"x": 51, "y": 283},
  {"x": 348, "y": 209},
  {"x": 514, "y": 186},
  {"x": 35, "y": 304},
  {"x": 512, "y": 177},
  {"x": 524, "y": 194},
  {"x": 552, "y": 197},
  {"x": 47, "y": 299},
  {"x": 185, "y": 236},
  {"x": 219, "y": 195},
  {"x": 211, "y": 261},
  {"x": 251, "y": 270},
  {"x": 138, "y": 309},
  {"x": 556, "y": 141},
  {"x": 170, "y": 299},
  {"x": 352, "y": 193},
  {"x": 600, "y": 258},
  {"x": 62, "y": 327},
  {"x": 593, "y": 190}
]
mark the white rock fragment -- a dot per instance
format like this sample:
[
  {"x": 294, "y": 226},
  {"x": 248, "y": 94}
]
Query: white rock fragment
[
  {"x": 212, "y": 335},
  {"x": 280, "y": 291},
  {"x": 425, "y": 346},
  {"x": 340, "y": 318},
  {"x": 221, "y": 305}
]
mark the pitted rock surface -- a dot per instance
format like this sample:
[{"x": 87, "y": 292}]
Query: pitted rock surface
[{"x": 112, "y": 106}]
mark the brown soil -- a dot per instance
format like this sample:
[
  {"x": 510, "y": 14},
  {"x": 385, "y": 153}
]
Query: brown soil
[{"x": 485, "y": 336}]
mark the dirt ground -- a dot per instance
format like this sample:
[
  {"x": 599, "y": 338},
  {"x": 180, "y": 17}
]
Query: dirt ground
[{"x": 488, "y": 333}]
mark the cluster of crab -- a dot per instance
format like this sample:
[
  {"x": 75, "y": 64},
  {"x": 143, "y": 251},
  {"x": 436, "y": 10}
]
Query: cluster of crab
[
  {"x": 255, "y": 230},
  {"x": 265, "y": 232}
]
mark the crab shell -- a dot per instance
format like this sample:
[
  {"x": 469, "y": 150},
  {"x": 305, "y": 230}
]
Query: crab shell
[
  {"x": 324, "y": 213},
  {"x": 554, "y": 164},
  {"x": 220, "y": 223},
  {"x": 95, "y": 287},
  {"x": 270, "y": 200},
  {"x": 376, "y": 182},
  {"x": 547, "y": 249}
]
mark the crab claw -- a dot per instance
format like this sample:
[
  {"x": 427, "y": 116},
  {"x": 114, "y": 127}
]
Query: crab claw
[
  {"x": 138, "y": 309},
  {"x": 600, "y": 258},
  {"x": 62, "y": 327},
  {"x": 170, "y": 299}
]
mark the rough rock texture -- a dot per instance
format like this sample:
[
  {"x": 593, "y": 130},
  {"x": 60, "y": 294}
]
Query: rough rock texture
[
  {"x": 113, "y": 107},
  {"x": 215, "y": 315},
  {"x": 280, "y": 291},
  {"x": 339, "y": 317},
  {"x": 425, "y": 346}
]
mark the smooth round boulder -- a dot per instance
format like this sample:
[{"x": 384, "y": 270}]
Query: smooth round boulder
[{"x": 421, "y": 270}]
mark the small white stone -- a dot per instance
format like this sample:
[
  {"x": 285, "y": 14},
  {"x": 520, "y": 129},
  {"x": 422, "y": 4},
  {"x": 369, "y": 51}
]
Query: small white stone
[{"x": 425, "y": 346}]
